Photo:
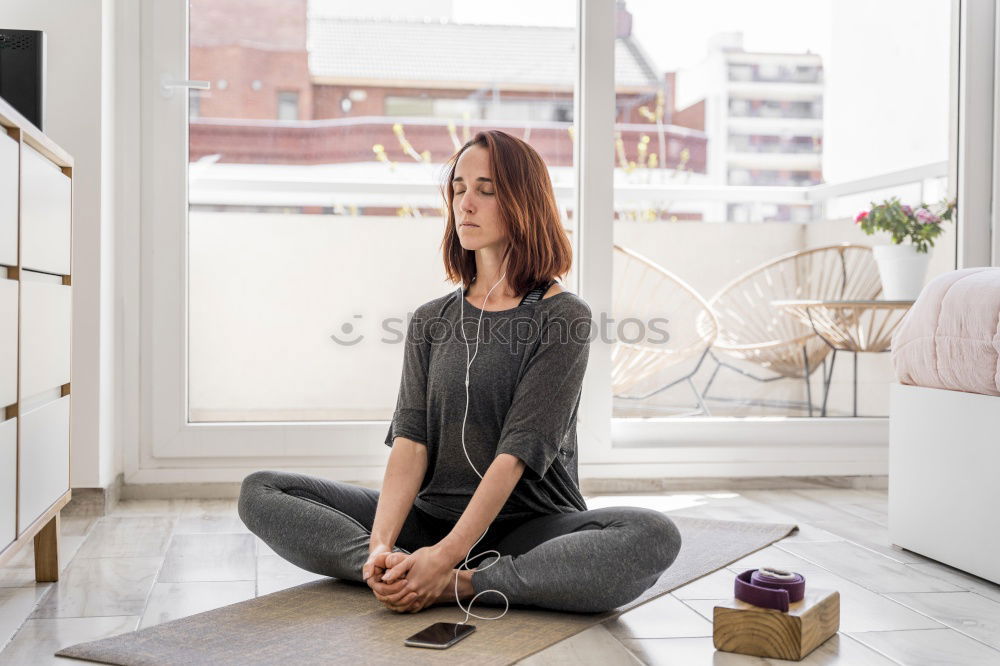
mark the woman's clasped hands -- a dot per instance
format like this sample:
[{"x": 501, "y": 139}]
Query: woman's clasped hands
[{"x": 409, "y": 583}]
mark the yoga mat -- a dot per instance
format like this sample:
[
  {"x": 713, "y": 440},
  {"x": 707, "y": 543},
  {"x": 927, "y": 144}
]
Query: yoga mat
[{"x": 340, "y": 622}]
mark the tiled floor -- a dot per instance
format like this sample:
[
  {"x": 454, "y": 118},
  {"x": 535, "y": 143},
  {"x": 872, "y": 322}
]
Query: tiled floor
[{"x": 157, "y": 560}]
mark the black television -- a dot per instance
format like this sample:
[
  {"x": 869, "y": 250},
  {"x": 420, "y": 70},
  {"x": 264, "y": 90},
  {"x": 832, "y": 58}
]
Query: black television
[{"x": 22, "y": 72}]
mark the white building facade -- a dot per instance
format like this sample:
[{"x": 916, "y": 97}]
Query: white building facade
[{"x": 764, "y": 122}]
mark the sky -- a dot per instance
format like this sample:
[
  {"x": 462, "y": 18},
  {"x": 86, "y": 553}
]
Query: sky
[{"x": 675, "y": 32}]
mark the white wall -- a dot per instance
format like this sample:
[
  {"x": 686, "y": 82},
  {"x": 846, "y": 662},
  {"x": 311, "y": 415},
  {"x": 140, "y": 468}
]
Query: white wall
[
  {"x": 109, "y": 460},
  {"x": 79, "y": 118},
  {"x": 886, "y": 102}
]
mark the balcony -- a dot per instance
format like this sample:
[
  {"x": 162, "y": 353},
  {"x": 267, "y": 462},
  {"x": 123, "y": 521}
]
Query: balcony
[
  {"x": 774, "y": 144},
  {"x": 350, "y": 140},
  {"x": 774, "y": 160},
  {"x": 743, "y": 72},
  {"x": 744, "y": 108},
  {"x": 269, "y": 289}
]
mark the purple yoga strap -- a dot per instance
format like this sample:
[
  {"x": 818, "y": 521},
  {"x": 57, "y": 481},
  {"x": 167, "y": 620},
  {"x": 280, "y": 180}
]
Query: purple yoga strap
[{"x": 770, "y": 588}]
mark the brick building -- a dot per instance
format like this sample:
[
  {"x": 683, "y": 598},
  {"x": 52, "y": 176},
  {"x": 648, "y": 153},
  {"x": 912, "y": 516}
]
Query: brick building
[{"x": 293, "y": 88}]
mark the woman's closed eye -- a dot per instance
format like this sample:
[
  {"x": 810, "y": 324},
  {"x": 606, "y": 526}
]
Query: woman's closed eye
[{"x": 480, "y": 191}]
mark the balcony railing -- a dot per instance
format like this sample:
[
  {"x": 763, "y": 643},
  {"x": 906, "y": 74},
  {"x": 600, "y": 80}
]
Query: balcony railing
[
  {"x": 350, "y": 141},
  {"x": 738, "y": 111},
  {"x": 295, "y": 185},
  {"x": 797, "y": 147},
  {"x": 783, "y": 76}
]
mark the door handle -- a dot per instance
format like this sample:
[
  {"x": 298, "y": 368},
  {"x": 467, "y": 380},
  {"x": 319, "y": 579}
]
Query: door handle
[{"x": 167, "y": 85}]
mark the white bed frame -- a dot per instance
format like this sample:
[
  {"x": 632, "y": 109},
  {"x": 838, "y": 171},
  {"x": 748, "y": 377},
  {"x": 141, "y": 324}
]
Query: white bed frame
[{"x": 944, "y": 476}]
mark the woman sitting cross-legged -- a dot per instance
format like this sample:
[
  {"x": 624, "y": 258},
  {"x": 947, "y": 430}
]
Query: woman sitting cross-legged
[{"x": 483, "y": 436}]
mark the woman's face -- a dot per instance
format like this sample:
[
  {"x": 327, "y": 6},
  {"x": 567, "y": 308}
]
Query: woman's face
[{"x": 475, "y": 204}]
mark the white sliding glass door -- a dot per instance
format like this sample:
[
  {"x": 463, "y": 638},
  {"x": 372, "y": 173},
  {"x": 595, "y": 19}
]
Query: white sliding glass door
[{"x": 294, "y": 153}]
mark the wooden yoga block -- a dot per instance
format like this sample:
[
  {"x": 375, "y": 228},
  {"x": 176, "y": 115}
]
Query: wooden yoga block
[{"x": 762, "y": 632}]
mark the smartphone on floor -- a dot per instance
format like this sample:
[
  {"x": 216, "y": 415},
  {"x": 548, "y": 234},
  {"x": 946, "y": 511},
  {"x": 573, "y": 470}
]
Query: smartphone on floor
[{"x": 440, "y": 635}]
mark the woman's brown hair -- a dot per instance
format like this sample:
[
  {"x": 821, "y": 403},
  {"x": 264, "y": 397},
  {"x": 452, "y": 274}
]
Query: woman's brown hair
[{"x": 538, "y": 248}]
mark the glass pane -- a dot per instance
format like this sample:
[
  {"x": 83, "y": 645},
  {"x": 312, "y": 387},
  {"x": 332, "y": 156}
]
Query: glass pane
[
  {"x": 750, "y": 136},
  {"x": 316, "y": 163}
]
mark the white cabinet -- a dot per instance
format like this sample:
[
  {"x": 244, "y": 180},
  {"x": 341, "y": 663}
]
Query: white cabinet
[
  {"x": 8, "y": 342},
  {"x": 45, "y": 215},
  {"x": 8, "y": 200},
  {"x": 8, "y": 481},
  {"x": 36, "y": 215},
  {"x": 44, "y": 460},
  {"x": 45, "y": 333}
]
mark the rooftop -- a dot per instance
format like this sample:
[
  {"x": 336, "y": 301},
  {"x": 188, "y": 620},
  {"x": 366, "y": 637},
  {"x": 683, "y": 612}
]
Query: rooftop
[{"x": 459, "y": 53}]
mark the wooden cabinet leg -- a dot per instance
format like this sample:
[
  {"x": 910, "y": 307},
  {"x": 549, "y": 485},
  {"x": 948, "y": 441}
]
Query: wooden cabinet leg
[{"x": 47, "y": 552}]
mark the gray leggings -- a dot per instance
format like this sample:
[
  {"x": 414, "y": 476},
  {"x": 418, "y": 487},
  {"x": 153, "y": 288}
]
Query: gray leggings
[{"x": 585, "y": 561}]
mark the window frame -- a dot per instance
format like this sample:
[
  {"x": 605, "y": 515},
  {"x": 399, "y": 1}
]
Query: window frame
[{"x": 168, "y": 449}]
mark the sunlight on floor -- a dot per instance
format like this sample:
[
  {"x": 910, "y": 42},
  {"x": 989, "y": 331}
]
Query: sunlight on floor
[{"x": 657, "y": 502}]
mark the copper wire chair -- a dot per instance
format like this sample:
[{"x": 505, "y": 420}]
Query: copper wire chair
[
  {"x": 754, "y": 331},
  {"x": 686, "y": 327}
]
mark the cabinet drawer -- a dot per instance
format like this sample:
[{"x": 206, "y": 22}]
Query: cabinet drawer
[
  {"x": 8, "y": 200},
  {"x": 8, "y": 480},
  {"x": 8, "y": 342},
  {"x": 45, "y": 214},
  {"x": 46, "y": 314},
  {"x": 44, "y": 474}
]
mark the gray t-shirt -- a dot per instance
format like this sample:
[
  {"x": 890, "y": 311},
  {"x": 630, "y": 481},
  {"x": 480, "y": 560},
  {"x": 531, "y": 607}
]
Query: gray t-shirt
[{"x": 524, "y": 392}]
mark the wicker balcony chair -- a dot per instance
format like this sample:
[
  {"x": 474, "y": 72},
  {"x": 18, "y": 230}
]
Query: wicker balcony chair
[
  {"x": 753, "y": 330},
  {"x": 645, "y": 290}
]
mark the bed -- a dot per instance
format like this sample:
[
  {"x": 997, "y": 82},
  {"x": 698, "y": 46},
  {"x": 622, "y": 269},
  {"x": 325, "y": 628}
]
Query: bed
[{"x": 944, "y": 424}]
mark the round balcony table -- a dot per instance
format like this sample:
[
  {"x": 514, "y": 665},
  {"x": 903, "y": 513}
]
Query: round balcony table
[{"x": 853, "y": 326}]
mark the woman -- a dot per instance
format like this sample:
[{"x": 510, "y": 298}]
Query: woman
[{"x": 488, "y": 464}]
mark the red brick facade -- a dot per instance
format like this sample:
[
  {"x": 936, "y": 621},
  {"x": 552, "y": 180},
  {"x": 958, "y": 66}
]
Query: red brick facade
[{"x": 264, "y": 41}]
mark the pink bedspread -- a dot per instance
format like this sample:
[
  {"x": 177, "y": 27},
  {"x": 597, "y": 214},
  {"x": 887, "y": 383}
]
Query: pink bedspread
[{"x": 950, "y": 338}]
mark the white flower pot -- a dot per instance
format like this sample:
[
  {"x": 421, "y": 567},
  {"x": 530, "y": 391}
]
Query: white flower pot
[{"x": 902, "y": 270}]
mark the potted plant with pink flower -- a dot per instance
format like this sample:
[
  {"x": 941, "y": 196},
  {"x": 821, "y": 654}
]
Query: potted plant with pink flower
[{"x": 903, "y": 265}]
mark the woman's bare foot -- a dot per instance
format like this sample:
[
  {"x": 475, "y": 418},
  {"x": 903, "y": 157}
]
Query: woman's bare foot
[
  {"x": 465, "y": 589},
  {"x": 447, "y": 596}
]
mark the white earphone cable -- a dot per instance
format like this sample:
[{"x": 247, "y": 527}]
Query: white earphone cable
[{"x": 468, "y": 365}]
